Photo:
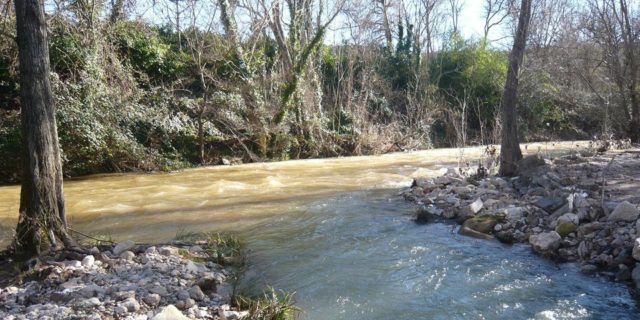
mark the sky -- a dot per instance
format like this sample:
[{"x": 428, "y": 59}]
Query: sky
[{"x": 471, "y": 21}]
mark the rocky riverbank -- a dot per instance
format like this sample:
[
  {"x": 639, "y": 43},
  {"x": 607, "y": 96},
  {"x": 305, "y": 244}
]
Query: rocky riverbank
[
  {"x": 572, "y": 209},
  {"x": 124, "y": 281}
]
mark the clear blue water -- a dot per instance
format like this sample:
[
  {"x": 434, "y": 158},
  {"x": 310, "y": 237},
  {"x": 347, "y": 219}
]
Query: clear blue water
[{"x": 360, "y": 256}]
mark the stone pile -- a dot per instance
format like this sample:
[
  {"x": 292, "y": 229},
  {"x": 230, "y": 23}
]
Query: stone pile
[
  {"x": 126, "y": 282},
  {"x": 556, "y": 206}
]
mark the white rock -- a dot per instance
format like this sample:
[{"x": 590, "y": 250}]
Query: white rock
[
  {"x": 514, "y": 213},
  {"x": 636, "y": 249},
  {"x": 151, "y": 250},
  {"x": 232, "y": 315},
  {"x": 624, "y": 211},
  {"x": 88, "y": 261},
  {"x": 89, "y": 303},
  {"x": 122, "y": 247},
  {"x": 127, "y": 255},
  {"x": 170, "y": 312},
  {"x": 476, "y": 206},
  {"x": 545, "y": 242},
  {"x": 73, "y": 264}
]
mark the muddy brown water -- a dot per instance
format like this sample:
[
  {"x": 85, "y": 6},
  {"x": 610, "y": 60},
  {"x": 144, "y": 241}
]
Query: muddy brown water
[{"x": 335, "y": 232}]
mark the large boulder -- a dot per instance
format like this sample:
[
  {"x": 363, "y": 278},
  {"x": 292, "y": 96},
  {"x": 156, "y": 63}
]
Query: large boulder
[
  {"x": 566, "y": 224},
  {"x": 545, "y": 243},
  {"x": 624, "y": 211}
]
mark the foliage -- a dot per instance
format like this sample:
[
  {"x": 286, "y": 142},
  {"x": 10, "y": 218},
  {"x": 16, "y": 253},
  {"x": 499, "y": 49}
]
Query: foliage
[
  {"x": 222, "y": 248},
  {"x": 137, "y": 96},
  {"x": 273, "y": 305},
  {"x": 472, "y": 74},
  {"x": 145, "y": 51}
]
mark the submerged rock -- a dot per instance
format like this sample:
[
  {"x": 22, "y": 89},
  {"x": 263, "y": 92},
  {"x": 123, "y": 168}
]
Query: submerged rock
[
  {"x": 484, "y": 223},
  {"x": 475, "y": 234}
]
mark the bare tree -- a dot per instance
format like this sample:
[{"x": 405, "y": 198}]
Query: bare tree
[
  {"x": 610, "y": 24},
  {"x": 386, "y": 25},
  {"x": 455, "y": 7},
  {"x": 510, "y": 153},
  {"x": 42, "y": 208},
  {"x": 495, "y": 13}
]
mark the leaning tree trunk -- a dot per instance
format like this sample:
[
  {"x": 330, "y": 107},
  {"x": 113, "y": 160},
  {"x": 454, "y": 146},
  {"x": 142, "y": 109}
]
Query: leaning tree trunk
[
  {"x": 634, "y": 126},
  {"x": 41, "y": 198},
  {"x": 510, "y": 153}
]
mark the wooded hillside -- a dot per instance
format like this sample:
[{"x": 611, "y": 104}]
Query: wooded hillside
[{"x": 159, "y": 85}]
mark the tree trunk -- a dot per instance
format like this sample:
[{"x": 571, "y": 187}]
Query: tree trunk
[
  {"x": 510, "y": 153},
  {"x": 386, "y": 25},
  {"x": 117, "y": 11},
  {"x": 634, "y": 126},
  {"x": 630, "y": 47},
  {"x": 41, "y": 199},
  {"x": 201, "y": 136}
]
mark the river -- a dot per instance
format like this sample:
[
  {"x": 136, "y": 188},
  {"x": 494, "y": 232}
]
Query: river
[{"x": 335, "y": 232}]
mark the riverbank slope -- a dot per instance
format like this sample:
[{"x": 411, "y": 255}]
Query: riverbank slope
[
  {"x": 574, "y": 208},
  {"x": 122, "y": 281}
]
